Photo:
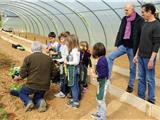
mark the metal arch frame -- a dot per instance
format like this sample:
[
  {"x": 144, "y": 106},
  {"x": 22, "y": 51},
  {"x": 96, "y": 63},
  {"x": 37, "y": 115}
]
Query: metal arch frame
[
  {"x": 78, "y": 17},
  {"x": 29, "y": 22},
  {"x": 53, "y": 23},
  {"x": 96, "y": 17},
  {"x": 20, "y": 3},
  {"x": 54, "y": 15},
  {"x": 27, "y": 19},
  {"x": 112, "y": 9},
  {"x": 24, "y": 22},
  {"x": 31, "y": 14},
  {"x": 27, "y": 4},
  {"x": 15, "y": 6},
  {"x": 139, "y": 2},
  {"x": 24, "y": 15},
  {"x": 142, "y": 4},
  {"x": 65, "y": 17}
]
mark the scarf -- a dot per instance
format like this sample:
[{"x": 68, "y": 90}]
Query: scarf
[{"x": 127, "y": 33}]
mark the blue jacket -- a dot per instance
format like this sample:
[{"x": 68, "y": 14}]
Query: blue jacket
[{"x": 102, "y": 68}]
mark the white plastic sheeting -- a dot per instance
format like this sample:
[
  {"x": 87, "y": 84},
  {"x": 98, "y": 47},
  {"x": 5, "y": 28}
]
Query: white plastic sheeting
[{"x": 90, "y": 20}]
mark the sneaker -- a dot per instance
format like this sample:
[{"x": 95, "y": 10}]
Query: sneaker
[
  {"x": 74, "y": 105},
  {"x": 29, "y": 106},
  {"x": 42, "y": 106},
  {"x": 60, "y": 95},
  {"x": 69, "y": 95},
  {"x": 129, "y": 89},
  {"x": 70, "y": 102},
  {"x": 96, "y": 116},
  {"x": 153, "y": 102}
]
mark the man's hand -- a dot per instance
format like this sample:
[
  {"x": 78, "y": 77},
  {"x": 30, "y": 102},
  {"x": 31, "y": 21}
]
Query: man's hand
[
  {"x": 151, "y": 60},
  {"x": 150, "y": 64},
  {"x": 17, "y": 78},
  {"x": 135, "y": 59}
]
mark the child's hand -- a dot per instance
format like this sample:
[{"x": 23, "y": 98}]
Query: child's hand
[
  {"x": 55, "y": 53},
  {"x": 65, "y": 61}
]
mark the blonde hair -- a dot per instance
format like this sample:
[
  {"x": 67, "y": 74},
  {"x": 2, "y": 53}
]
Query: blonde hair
[
  {"x": 72, "y": 42},
  {"x": 63, "y": 34},
  {"x": 84, "y": 45}
]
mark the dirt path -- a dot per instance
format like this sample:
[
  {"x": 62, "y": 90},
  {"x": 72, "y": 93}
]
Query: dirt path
[{"x": 57, "y": 107}]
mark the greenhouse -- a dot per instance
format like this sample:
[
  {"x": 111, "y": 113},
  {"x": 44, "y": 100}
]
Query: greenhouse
[{"x": 25, "y": 22}]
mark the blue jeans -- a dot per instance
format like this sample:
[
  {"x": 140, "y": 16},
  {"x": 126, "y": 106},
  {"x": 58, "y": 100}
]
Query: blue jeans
[
  {"x": 63, "y": 80},
  {"x": 121, "y": 50},
  {"x": 146, "y": 76},
  {"x": 25, "y": 92},
  {"x": 75, "y": 89}
]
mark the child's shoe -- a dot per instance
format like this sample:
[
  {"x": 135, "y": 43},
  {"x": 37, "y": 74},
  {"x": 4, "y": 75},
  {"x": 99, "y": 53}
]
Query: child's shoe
[
  {"x": 60, "y": 95},
  {"x": 42, "y": 106},
  {"x": 69, "y": 95},
  {"x": 29, "y": 106},
  {"x": 74, "y": 105},
  {"x": 70, "y": 102},
  {"x": 97, "y": 116}
]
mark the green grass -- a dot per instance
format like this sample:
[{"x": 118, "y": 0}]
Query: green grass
[{"x": 3, "y": 114}]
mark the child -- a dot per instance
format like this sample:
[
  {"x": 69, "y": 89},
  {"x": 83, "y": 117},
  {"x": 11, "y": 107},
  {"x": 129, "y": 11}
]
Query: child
[
  {"x": 102, "y": 71},
  {"x": 63, "y": 78},
  {"x": 84, "y": 62},
  {"x": 52, "y": 46},
  {"x": 72, "y": 61}
]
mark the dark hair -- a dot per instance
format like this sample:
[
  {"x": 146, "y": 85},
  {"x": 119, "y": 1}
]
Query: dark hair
[
  {"x": 84, "y": 44},
  {"x": 52, "y": 34},
  {"x": 98, "y": 50},
  {"x": 149, "y": 7},
  {"x": 67, "y": 32}
]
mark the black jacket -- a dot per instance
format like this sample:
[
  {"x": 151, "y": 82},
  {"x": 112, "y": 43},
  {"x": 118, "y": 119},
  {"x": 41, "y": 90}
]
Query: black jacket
[{"x": 135, "y": 32}]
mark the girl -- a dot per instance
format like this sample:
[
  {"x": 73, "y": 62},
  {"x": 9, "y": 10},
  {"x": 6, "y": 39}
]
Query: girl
[
  {"x": 72, "y": 61},
  {"x": 84, "y": 62},
  {"x": 63, "y": 49},
  {"x": 102, "y": 71}
]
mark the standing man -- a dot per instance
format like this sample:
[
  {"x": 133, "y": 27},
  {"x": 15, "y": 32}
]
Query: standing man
[
  {"x": 147, "y": 52},
  {"x": 127, "y": 38}
]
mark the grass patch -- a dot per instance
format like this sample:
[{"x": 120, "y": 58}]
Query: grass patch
[
  {"x": 5, "y": 61},
  {"x": 3, "y": 114}
]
